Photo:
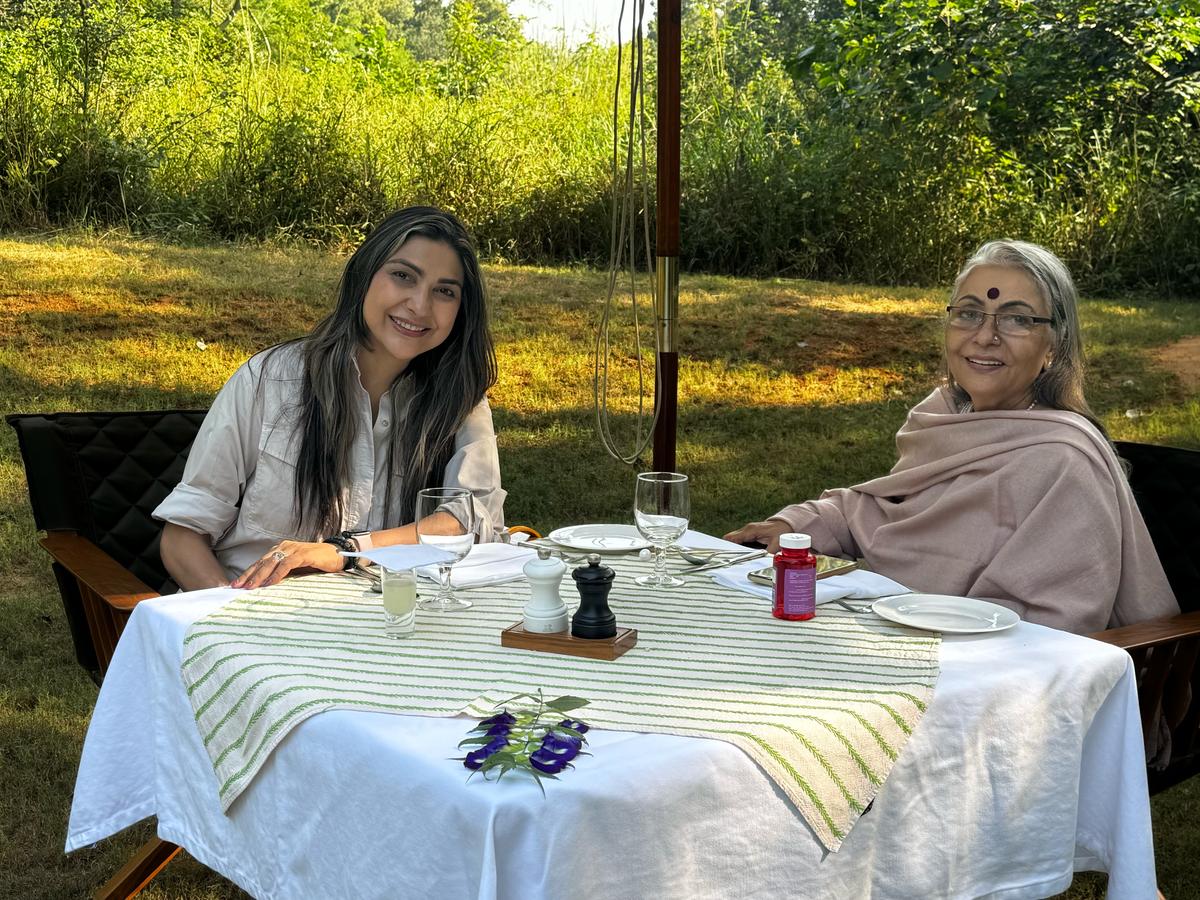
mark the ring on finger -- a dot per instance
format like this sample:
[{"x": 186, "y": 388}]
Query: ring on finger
[{"x": 279, "y": 556}]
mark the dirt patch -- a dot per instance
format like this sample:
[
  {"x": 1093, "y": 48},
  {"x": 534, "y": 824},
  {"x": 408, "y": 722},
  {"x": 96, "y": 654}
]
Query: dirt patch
[
  {"x": 1183, "y": 359},
  {"x": 17, "y": 302}
]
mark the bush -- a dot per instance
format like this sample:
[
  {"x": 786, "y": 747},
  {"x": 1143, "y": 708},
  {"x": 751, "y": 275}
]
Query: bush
[{"x": 877, "y": 142}]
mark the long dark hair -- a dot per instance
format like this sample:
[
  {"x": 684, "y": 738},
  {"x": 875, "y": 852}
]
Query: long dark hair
[{"x": 440, "y": 387}]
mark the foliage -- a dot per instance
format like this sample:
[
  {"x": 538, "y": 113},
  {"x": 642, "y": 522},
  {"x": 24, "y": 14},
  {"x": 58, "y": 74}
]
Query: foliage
[
  {"x": 919, "y": 128},
  {"x": 821, "y": 138},
  {"x": 526, "y": 733}
]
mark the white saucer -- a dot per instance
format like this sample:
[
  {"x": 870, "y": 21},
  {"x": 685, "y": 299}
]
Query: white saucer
[
  {"x": 601, "y": 538},
  {"x": 939, "y": 612}
]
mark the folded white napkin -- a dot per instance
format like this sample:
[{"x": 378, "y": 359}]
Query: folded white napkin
[
  {"x": 856, "y": 585},
  {"x": 404, "y": 556},
  {"x": 486, "y": 564},
  {"x": 698, "y": 540}
]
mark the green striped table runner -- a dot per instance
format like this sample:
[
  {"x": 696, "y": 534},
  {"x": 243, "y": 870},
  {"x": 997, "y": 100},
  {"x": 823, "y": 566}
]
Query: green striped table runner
[{"x": 824, "y": 707}]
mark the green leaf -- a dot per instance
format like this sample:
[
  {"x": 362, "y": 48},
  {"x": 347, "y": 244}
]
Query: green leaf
[
  {"x": 942, "y": 70},
  {"x": 566, "y": 704},
  {"x": 479, "y": 740}
]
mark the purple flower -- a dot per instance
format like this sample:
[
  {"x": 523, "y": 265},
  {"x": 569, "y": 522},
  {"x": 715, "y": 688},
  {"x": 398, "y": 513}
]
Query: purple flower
[
  {"x": 575, "y": 725},
  {"x": 499, "y": 728},
  {"x": 563, "y": 746},
  {"x": 503, "y": 717},
  {"x": 547, "y": 762},
  {"x": 474, "y": 759}
]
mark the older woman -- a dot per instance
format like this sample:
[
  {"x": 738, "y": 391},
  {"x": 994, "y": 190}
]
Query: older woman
[{"x": 1007, "y": 487}]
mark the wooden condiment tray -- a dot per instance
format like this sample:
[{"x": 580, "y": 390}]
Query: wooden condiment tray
[{"x": 563, "y": 642}]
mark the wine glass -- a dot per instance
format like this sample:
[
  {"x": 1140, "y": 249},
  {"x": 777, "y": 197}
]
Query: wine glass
[
  {"x": 660, "y": 509},
  {"x": 446, "y": 520}
]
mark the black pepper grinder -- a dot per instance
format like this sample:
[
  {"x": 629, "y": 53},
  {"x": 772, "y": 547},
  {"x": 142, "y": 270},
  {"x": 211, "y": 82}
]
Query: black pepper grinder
[{"x": 593, "y": 619}]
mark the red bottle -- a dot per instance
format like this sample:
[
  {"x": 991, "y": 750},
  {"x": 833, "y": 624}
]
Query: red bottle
[{"x": 795, "y": 579}]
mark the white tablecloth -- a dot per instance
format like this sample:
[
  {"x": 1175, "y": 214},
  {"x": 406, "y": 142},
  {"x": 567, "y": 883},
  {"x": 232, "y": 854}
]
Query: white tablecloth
[{"x": 1027, "y": 766}]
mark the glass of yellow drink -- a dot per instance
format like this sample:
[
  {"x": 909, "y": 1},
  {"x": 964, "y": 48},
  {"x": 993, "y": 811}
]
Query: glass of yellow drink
[{"x": 399, "y": 602}]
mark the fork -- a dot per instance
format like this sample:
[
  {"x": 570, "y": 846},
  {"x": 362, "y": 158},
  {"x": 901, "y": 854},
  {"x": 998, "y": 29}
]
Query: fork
[
  {"x": 723, "y": 562},
  {"x": 857, "y": 609}
]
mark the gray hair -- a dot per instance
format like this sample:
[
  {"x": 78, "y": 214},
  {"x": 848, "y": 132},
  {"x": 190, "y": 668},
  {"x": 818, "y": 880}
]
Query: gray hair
[{"x": 1060, "y": 384}]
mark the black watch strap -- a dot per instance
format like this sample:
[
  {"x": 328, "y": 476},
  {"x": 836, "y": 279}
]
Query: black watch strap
[{"x": 342, "y": 542}]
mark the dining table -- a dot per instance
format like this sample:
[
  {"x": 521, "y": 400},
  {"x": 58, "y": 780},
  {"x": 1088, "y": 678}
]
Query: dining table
[{"x": 1025, "y": 766}]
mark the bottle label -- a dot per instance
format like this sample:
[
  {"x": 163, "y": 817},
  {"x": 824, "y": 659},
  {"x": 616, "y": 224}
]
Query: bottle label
[{"x": 799, "y": 591}]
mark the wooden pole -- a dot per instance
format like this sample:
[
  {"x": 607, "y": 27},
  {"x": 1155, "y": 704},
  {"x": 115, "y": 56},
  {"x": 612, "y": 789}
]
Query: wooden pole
[{"x": 666, "y": 301}]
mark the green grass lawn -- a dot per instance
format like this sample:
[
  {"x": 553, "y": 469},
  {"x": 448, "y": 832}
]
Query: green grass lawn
[{"x": 786, "y": 387}]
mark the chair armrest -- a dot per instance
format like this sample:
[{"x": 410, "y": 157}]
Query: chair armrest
[
  {"x": 95, "y": 569},
  {"x": 1152, "y": 632},
  {"x": 524, "y": 529}
]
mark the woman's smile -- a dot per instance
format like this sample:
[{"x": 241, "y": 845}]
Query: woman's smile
[
  {"x": 407, "y": 326},
  {"x": 984, "y": 364}
]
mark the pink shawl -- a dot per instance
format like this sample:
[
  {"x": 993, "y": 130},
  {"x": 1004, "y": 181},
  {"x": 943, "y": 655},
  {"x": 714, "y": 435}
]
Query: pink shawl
[{"x": 1029, "y": 509}]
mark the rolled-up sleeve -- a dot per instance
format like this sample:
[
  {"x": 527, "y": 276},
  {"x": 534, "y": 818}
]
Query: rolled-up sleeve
[
  {"x": 475, "y": 465},
  {"x": 221, "y": 461}
]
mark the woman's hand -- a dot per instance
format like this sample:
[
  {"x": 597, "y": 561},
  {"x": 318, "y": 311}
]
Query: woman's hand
[
  {"x": 287, "y": 558},
  {"x": 767, "y": 533}
]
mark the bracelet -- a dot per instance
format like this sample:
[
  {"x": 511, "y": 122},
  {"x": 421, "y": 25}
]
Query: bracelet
[{"x": 345, "y": 544}]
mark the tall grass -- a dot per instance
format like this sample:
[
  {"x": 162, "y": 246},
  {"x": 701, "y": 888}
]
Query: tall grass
[{"x": 278, "y": 121}]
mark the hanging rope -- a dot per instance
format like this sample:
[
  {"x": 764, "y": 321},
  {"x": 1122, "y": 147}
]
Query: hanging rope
[{"x": 622, "y": 230}]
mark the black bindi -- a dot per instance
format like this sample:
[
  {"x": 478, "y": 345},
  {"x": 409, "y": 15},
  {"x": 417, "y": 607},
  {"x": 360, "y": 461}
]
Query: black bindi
[{"x": 993, "y": 293}]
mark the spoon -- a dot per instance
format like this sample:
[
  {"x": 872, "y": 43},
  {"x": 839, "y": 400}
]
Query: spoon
[
  {"x": 373, "y": 577},
  {"x": 700, "y": 557}
]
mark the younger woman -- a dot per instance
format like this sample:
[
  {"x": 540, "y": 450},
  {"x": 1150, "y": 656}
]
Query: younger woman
[{"x": 321, "y": 443}]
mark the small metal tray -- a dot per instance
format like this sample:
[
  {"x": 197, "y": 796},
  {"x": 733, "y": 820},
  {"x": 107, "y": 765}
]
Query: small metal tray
[{"x": 826, "y": 566}]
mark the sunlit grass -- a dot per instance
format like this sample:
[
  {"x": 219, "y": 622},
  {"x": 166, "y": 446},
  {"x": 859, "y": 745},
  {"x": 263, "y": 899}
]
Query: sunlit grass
[{"x": 787, "y": 387}]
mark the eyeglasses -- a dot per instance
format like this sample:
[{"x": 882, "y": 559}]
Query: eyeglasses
[{"x": 1013, "y": 324}]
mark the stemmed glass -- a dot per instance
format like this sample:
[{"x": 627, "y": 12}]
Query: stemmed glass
[
  {"x": 446, "y": 520},
  {"x": 660, "y": 510}
]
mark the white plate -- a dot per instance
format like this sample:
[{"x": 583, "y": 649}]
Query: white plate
[
  {"x": 610, "y": 538},
  {"x": 953, "y": 615}
]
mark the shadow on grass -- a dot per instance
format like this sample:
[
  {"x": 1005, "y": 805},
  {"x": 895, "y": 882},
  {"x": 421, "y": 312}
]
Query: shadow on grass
[
  {"x": 249, "y": 324},
  {"x": 557, "y": 473},
  {"x": 20, "y": 393}
]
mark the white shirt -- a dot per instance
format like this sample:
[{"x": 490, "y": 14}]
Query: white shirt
[{"x": 238, "y": 485}]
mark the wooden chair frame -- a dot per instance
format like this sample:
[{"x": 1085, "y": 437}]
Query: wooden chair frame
[
  {"x": 1164, "y": 655},
  {"x": 1166, "y": 484}
]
